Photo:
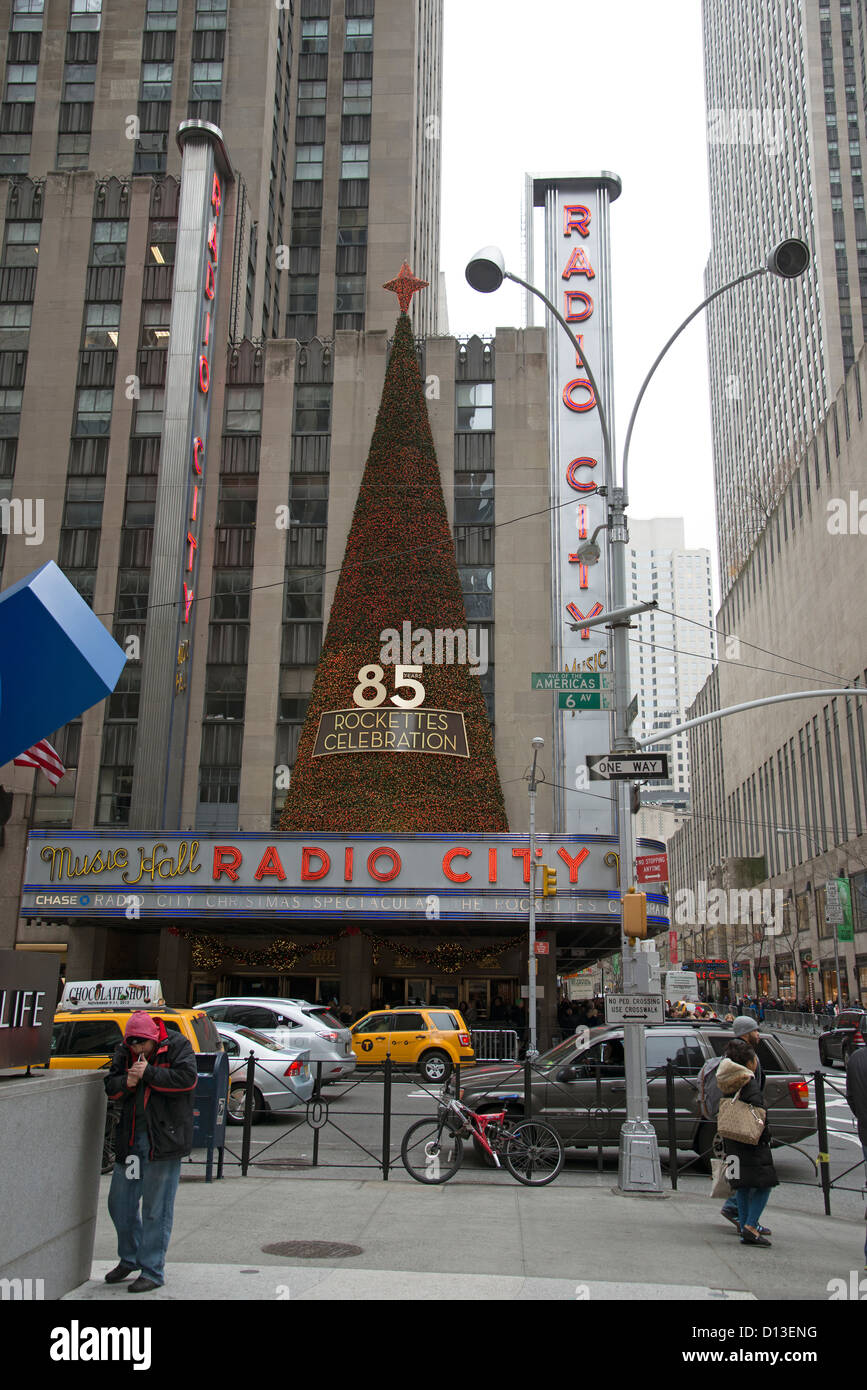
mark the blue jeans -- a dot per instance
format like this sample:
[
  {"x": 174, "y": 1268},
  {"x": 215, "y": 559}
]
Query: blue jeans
[
  {"x": 142, "y": 1239},
  {"x": 751, "y": 1203}
]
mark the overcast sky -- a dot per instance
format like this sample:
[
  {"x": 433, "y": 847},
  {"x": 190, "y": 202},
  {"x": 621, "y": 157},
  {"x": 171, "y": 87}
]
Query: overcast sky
[{"x": 566, "y": 86}]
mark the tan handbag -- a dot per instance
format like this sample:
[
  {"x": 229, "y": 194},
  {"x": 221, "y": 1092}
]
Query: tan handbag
[{"x": 743, "y": 1123}]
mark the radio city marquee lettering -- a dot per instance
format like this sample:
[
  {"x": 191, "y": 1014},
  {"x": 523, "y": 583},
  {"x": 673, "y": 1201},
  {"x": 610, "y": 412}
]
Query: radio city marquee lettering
[
  {"x": 328, "y": 875},
  {"x": 408, "y": 729},
  {"x": 200, "y": 420}
]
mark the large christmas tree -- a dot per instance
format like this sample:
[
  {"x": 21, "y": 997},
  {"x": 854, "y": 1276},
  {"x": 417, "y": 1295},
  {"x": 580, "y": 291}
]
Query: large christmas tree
[{"x": 399, "y": 568}]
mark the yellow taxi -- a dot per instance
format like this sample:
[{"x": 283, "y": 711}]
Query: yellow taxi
[
  {"x": 92, "y": 1015},
  {"x": 434, "y": 1039}
]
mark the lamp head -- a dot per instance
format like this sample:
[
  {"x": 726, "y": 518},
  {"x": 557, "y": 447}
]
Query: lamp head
[
  {"x": 487, "y": 270},
  {"x": 589, "y": 553},
  {"x": 789, "y": 259},
  {"x": 537, "y": 742}
]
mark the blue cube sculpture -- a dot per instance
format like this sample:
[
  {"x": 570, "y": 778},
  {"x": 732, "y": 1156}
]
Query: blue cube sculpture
[{"x": 56, "y": 659}]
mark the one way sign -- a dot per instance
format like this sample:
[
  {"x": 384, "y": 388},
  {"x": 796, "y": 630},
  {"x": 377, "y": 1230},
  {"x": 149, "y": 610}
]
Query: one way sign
[{"x": 609, "y": 767}]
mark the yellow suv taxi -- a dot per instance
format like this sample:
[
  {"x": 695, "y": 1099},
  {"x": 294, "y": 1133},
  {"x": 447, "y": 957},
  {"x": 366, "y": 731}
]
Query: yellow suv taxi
[
  {"x": 92, "y": 1015},
  {"x": 434, "y": 1039}
]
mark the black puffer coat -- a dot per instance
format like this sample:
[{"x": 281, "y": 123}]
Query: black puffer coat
[
  {"x": 169, "y": 1082},
  {"x": 756, "y": 1162}
]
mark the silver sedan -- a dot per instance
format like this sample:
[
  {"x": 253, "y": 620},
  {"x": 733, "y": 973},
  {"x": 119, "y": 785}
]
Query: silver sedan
[{"x": 282, "y": 1078}]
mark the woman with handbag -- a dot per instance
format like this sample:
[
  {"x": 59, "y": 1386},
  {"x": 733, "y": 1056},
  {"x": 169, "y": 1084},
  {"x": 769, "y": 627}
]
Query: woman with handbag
[{"x": 743, "y": 1127}]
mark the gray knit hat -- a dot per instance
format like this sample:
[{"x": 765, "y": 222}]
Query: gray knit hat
[{"x": 743, "y": 1025}]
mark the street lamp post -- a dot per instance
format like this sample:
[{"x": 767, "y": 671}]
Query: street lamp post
[
  {"x": 537, "y": 744},
  {"x": 639, "y": 1168}
]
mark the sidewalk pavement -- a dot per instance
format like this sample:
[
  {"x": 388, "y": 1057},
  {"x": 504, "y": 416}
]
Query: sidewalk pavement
[{"x": 477, "y": 1241}]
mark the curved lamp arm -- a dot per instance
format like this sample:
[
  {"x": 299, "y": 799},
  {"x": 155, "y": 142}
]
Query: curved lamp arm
[
  {"x": 603, "y": 418},
  {"x": 750, "y": 275}
]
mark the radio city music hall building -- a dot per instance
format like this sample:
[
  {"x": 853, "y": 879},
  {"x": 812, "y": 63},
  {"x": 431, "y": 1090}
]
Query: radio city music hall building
[{"x": 194, "y": 349}]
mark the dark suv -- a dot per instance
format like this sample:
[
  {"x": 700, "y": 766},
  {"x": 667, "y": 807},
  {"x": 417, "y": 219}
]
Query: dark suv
[
  {"x": 588, "y": 1108},
  {"x": 841, "y": 1038}
]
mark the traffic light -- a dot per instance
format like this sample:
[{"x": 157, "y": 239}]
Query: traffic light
[
  {"x": 634, "y": 913},
  {"x": 549, "y": 881}
]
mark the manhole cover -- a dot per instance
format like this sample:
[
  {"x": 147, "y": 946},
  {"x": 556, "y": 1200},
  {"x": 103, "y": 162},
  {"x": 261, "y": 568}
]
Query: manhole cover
[{"x": 312, "y": 1249}]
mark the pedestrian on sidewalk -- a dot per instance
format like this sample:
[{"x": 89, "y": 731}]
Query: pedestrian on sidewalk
[
  {"x": 153, "y": 1074},
  {"x": 755, "y": 1173},
  {"x": 856, "y": 1095}
]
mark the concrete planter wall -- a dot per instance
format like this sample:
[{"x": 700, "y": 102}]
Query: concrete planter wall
[{"x": 51, "y": 1132}]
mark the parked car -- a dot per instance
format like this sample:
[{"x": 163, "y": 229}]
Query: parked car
[
  {"x": 586, "y": 1111},
  {"x": 433, "y": 1039},
  {"x": 842, "y": 1036},
  {"x": 292, "y": 1023},
  {"x": 282, "y": 1078}
]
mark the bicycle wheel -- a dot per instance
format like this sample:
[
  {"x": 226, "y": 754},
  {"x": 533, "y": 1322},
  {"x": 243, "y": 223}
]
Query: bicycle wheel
[
  {"x": 533, "y": 1153},
  {"x": 430, "y": 1153}
]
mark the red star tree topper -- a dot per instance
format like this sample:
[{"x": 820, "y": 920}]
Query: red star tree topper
[{"x": 399, "y": 567}]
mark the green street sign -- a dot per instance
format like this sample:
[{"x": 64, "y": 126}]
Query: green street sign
[
  {"x": 571, "y": 680},
  {"x": 585, "y": 699}
]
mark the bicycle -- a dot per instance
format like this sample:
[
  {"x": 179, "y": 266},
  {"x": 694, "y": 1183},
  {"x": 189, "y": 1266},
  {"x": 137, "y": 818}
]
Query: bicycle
[{"x": 432, "y": 1150}]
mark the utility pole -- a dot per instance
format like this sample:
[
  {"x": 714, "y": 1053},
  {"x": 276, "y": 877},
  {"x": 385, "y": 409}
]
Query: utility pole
[{"x": 536, "y": 744}]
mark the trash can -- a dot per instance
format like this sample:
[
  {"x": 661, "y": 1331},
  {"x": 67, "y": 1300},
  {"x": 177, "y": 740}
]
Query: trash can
[{"x": 209, "y": 1107}]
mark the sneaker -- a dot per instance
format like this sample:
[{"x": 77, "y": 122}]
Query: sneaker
[
  {"x": 747, "y": 1238},
  {"x": 764, "y": 1230},
  {"x": 729, "y": 1216}
]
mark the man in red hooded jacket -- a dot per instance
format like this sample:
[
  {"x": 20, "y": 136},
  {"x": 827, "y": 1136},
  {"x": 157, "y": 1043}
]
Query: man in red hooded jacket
[{"x": 153, "y": 1073}]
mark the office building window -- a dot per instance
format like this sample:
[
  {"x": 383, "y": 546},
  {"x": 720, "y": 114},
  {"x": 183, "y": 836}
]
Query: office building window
[
  {"x": 155, "y": 319},
  {"x": 474, "y": 499},
  {"x": 312, "y": 410},
  {"x": 359, "y": 36},
  {"x": 79, "y": 81},
  {"x": 21, "y": 246},
  {"x": 357, "y": 98},
  {"x": 354, "y": 161},
  {"x": 101, "y": 325},
  {"x": 162, "y": 240},
  {"x": 308, "y": 161},
  {"x": 93, "y": 412},
  {"x": 477, "y": 586},
  {"x": 311, "y": 99},
  {"x": 109, "y": 243},
  {"x": 161, "y": 14},
  {"x": 211, "y": 14},
  {"x": 27, "y": 14},
  {"x": 85, "y": 14},
  {"x": 243, "y": 410},
  {"x": 21, "y": 81},
  {"x": 206, "y": 82},
  {"x": 149, "y": 411},
  {"x": 475, "y": 405},
  {"x": 156, "y": 81},
  {"x": 314, "y": 36},
  {"x": 352, "y": 226},
  {"x": 15, "y": 327},
  {"x": 350, "y": 294}
]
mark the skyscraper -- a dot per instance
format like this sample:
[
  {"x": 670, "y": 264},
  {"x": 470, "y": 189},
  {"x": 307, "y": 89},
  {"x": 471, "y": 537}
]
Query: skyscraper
[
  {"x": 671, "y": 652},
  {"x": 785, "y": 91}
]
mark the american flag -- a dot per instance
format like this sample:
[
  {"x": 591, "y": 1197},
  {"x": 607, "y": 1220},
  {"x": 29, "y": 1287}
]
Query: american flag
[{"x": 43, "y": 756}]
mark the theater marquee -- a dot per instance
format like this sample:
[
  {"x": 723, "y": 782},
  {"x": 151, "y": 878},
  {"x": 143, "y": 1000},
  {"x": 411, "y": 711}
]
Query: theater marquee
[{"x": 425, "y": 877}]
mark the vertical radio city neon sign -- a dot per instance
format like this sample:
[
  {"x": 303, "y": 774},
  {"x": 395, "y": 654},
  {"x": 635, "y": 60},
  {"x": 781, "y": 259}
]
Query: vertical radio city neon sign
[
  {"x": 577, "y": 281},
  {"x": 200, "y": 414}
]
